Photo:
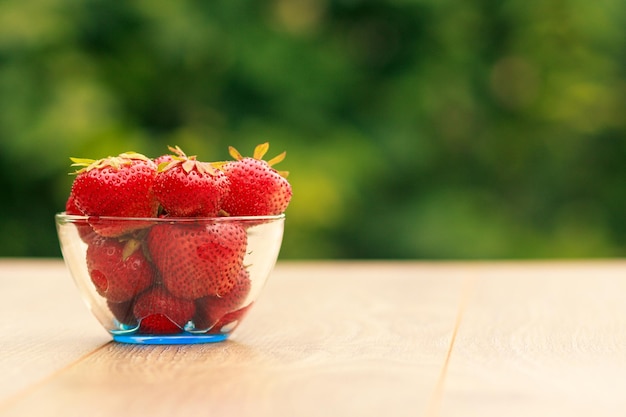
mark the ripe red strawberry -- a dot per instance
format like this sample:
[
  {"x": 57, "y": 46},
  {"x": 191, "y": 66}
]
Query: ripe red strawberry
[
  {"x": 196, "y": 260},
  {"x": 158, "y": 324},
  {"x": 159, "y": 312},
  {"x": 119, "y": 270},
  {"x": 211, "y": 308},
  {"x": 118, "y": 186},
  {"x": 85, "y": 231},
  {"x": 163, "y": 158},
  {"x": 230, "y": 321},
  {"x": 186, "y": 187},
  {"x": 256, "y": 188}
]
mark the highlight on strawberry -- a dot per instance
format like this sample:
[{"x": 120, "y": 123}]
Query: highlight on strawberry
[{"x": 172, "y": 247}]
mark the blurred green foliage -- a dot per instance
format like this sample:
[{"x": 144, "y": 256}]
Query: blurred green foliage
[{"x": 414, "y": 128}]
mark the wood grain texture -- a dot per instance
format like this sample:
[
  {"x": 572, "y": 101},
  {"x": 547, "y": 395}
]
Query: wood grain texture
[
  {"x": 44, "y": 324},
  {"x": 542, "y": 339},
  {"x": 324, "y": 339},
  {"x": 338, "y": 338}
]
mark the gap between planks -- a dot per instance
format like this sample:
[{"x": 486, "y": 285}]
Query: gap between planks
[{"x": 467, "y": 287}]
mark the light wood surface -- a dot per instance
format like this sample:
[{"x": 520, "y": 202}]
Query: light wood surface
[{"x": 337, "y": 338}]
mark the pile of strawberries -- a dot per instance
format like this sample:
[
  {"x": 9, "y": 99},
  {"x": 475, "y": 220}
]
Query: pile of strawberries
[{"x": 160, "y": 276}]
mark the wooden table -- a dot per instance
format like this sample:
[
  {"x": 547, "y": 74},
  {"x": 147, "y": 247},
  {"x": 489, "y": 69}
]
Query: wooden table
[{"x": 337, "y": 339}]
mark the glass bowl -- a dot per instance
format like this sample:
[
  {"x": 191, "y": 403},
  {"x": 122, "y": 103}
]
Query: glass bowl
[{"x": 170, "y": 280}]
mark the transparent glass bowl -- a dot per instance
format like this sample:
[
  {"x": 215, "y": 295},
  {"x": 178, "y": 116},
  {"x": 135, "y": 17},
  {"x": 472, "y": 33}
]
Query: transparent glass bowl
[{"x": 170, "y": 280}]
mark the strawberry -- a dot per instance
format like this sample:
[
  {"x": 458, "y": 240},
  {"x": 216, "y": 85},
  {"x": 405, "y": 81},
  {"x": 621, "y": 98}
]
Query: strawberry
[
  {"x": 196, "y": 260},
  {"x": 163, "y": 158},
  {"x": 119, "y": 270},
  {"x": 158, "y": 324},
  {"x": 85, "y": 231},
  {"x": 186, "y": 187},
  {"x": 256, "y": 189},
  {"x": 211, "y": 308},
  {"x": 118, "y": 186},
  {"x": 229, "y": 322},
  {"x": 159, "y": 312}
]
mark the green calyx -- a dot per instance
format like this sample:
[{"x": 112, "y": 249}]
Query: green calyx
[
  {"x": 115, "y": 162},
  {"x": 259, "y": 152},
  {"x": 188, "y": 163},
  {"x": 131, "y": 246}
]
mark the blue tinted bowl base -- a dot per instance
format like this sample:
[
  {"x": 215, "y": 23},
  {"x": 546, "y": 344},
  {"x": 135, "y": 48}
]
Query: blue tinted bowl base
[{"x": 176, "y": 339}]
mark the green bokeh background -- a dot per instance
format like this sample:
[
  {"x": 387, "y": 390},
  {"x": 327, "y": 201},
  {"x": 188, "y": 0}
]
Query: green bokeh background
[{"x": 425, "y": 129}]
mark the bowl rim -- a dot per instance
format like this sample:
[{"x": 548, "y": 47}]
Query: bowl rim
[{"x": 63, "y": 216}]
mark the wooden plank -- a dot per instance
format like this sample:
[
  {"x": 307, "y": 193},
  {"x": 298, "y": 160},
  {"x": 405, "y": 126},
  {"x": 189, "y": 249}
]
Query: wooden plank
[
  {"x": 541, "y": 339},
  {"x": 45, "y": 325},
  {"x": 364, "y": 339}
]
